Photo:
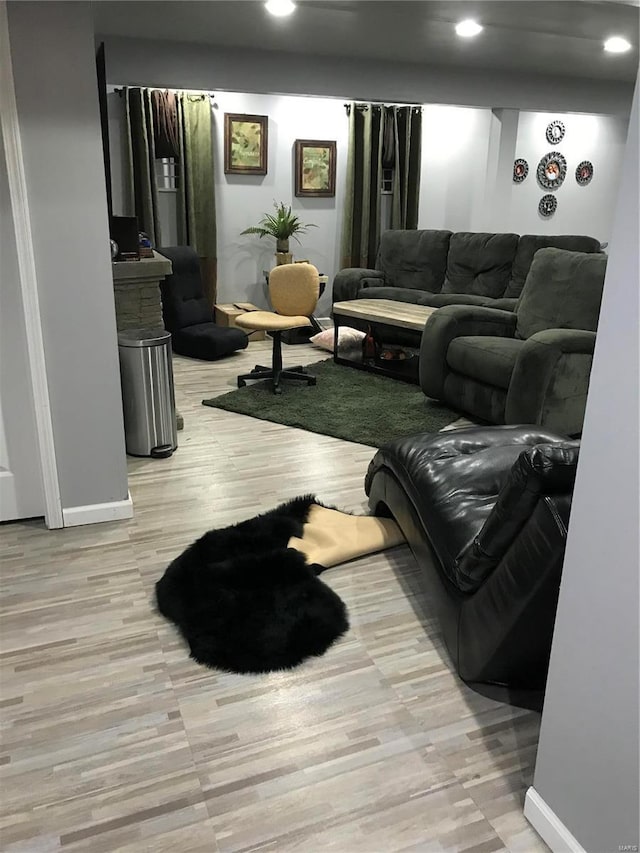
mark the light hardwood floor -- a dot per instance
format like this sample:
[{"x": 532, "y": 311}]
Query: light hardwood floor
[{"x": 114, "y": 740}]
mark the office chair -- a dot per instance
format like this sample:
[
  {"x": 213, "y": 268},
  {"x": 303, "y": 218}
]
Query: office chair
[{"x": 293, "y": 290}]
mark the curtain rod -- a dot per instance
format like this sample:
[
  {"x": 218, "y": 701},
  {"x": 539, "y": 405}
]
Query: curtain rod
[
  {"x": 364, "y": 106},
  {"x": 120, "y": 89}
]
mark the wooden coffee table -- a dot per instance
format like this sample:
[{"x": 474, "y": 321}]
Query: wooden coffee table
[{"x": 385, "y": 318}]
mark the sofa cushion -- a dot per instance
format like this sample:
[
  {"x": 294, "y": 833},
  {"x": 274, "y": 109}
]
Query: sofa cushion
[
  {"x": 414, "y": 259},
  {"x": 563, "y": 291},
  {"x": 480, "y": 263},
  {"x": 420, "y": 297},
  {"x": 528, "y": 245},
  {"x": 488, "y": 359}
]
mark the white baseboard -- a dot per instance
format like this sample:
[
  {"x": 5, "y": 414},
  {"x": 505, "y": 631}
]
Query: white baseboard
[
  {"x": 94, "y": 513},
  {"x": 548, "y": 825}
]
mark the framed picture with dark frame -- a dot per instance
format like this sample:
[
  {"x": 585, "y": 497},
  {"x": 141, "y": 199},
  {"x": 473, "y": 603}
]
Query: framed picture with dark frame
[
  {"x": 245, "y": 144},
  {"x": 315, "y": 168}
]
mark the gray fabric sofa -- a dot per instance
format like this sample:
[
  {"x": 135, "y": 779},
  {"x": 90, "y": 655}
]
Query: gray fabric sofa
[
  {"x": 438, "y": 268},
  {"x": 528, "y": 366}
]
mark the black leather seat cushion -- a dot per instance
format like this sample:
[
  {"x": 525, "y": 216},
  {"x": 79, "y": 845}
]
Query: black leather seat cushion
[
  {"x": 454, "y": 478},
  {"x": 208, "y": 341}
]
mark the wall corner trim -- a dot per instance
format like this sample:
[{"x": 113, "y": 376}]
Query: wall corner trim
[
  {"x": 548, "y": 825},
  {"x": 95, "y": 513}
]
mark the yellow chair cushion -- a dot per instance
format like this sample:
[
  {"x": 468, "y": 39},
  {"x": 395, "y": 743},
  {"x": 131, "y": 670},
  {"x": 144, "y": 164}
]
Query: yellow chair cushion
[{"x": 270, "y": 322}]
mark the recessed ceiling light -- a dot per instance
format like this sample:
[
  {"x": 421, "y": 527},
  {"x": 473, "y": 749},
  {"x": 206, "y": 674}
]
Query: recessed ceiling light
[
  {"x": 280, "y": 8},
  {"x": 616, "y": 44},
  {"x": 467, "y": 29}
]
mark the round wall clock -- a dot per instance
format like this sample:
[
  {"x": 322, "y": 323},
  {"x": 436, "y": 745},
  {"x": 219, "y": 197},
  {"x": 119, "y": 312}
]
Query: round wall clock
[
  {"x": 552, "y": 170},
  {"x": 555, "y": 132},
  {"x": 520, "y": 170},
  {"x": 584, "y": 172},
  {"x": 547, "y": 205}
]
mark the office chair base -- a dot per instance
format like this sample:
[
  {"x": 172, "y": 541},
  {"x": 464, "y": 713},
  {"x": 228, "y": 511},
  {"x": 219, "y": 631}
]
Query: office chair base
[{"x": 259, "y": 373}]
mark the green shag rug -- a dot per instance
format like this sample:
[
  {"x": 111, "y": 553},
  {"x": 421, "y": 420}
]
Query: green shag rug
[{"x": 346, "y": 403}]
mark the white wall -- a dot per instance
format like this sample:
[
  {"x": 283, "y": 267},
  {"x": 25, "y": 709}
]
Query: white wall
[
  {"x": 56, "y": 92},
  {"x": 241, "y": 200},
  {"x": 21, "y": 493},
  {"x": 466, "y": 180},
  {"x": 581, "y": 209},
  {"x": 587, "y": 764},
  {"x": 455, "y": 147}
]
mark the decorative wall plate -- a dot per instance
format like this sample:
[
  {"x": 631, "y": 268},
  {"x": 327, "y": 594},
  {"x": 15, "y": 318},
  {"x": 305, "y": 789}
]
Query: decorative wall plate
[
  {"x": 584, "y": 172},
  {"x": 552, "y": 170},
  {"x": 555, "y": 132},
  {"x": 547, "y": 205},
  {"x": 520, "y": 170}
]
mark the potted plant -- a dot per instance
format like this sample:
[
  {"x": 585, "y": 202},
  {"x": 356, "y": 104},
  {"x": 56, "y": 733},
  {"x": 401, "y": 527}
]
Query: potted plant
[{"x": 283, "y": 225}]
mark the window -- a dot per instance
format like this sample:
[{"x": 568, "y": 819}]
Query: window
[
  {"x": 386, "y": 187},
  {"x": 166, "y": 173}
]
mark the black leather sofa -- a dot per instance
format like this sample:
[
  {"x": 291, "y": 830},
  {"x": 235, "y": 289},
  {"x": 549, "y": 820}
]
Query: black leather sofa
[
  {"x": 485, "y": 511},
  {"x": 438, "y": 268}
]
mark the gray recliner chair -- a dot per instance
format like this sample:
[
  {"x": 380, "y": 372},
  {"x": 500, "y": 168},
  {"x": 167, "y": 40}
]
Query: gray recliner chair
[{"x": 530, "y": 366}]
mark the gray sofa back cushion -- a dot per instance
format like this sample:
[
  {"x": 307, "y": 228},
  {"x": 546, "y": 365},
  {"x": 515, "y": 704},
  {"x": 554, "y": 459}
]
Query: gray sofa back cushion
[
  {"x": 414, "y": 259},
  {"x": 480, "y": 263},
  {"x": 563, "y": 291},
  {"x": 529, "y": 244}
]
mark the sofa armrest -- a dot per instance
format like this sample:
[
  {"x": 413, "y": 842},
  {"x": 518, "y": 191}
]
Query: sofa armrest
[
  {"x": 348, "y": 282},
  {"x": 550, "y": 380},
  {"x": 451, "y": 322},
  {"x": 545, "y": 469}
]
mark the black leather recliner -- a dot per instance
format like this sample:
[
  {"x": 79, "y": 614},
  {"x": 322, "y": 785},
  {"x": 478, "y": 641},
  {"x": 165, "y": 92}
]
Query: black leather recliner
[
  {"x": 485, "y": 511},
  {"x": 188, "y": 315}
]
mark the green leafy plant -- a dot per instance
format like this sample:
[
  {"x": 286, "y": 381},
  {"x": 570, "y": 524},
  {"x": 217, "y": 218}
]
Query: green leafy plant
[{"x": 282, "y": 225}]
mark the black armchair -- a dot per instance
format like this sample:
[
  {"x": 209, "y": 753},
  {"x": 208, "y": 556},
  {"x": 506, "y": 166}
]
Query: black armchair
[
  {"x": 188, "y": 315},
  {"x": 530, "y": 366}
]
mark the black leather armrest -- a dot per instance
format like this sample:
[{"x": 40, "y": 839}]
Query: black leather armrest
[{"x": 546, "y": 469}]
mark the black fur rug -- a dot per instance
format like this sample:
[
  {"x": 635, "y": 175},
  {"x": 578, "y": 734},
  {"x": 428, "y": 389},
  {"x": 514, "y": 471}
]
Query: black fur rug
[{"x": 245, "y": 602}]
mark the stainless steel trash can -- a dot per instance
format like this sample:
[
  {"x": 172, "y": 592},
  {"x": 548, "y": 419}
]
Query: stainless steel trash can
[{"x": 148, "y": 399}]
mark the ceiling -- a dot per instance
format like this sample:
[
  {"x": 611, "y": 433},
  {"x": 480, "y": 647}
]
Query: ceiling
[{"x": 540, "y": 37}]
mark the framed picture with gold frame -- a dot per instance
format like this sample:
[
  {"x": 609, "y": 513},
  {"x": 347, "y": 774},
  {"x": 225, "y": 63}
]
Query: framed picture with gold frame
[
  {"x": 245, "y": 144},
  {"x": 315, "y": 168}
]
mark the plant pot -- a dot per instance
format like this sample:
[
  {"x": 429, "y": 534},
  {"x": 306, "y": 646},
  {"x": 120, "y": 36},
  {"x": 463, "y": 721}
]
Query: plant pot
[
  {"x": 284, "y": 258},
  {"x": 282, "y": 245}
]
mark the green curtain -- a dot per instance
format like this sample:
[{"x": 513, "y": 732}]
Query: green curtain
[
  {"x": 195, "y": 197},
  {"x": 379, "y": 136},
  {"x": 197, "y": 205},
  {"x": 407, "y": 137},
  {"x": 361, "y": 226},
  {"x": 141, "y": 161}
]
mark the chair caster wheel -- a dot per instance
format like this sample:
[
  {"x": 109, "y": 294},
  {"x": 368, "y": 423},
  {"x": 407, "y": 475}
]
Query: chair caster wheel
[
  {"x": 277, "y": 389},
  {"x": 241, "y": 383},
  {"x": 312, "y": 381}
]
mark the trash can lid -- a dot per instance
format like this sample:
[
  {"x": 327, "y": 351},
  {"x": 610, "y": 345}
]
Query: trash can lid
[{"x": 143, "y": 337}]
